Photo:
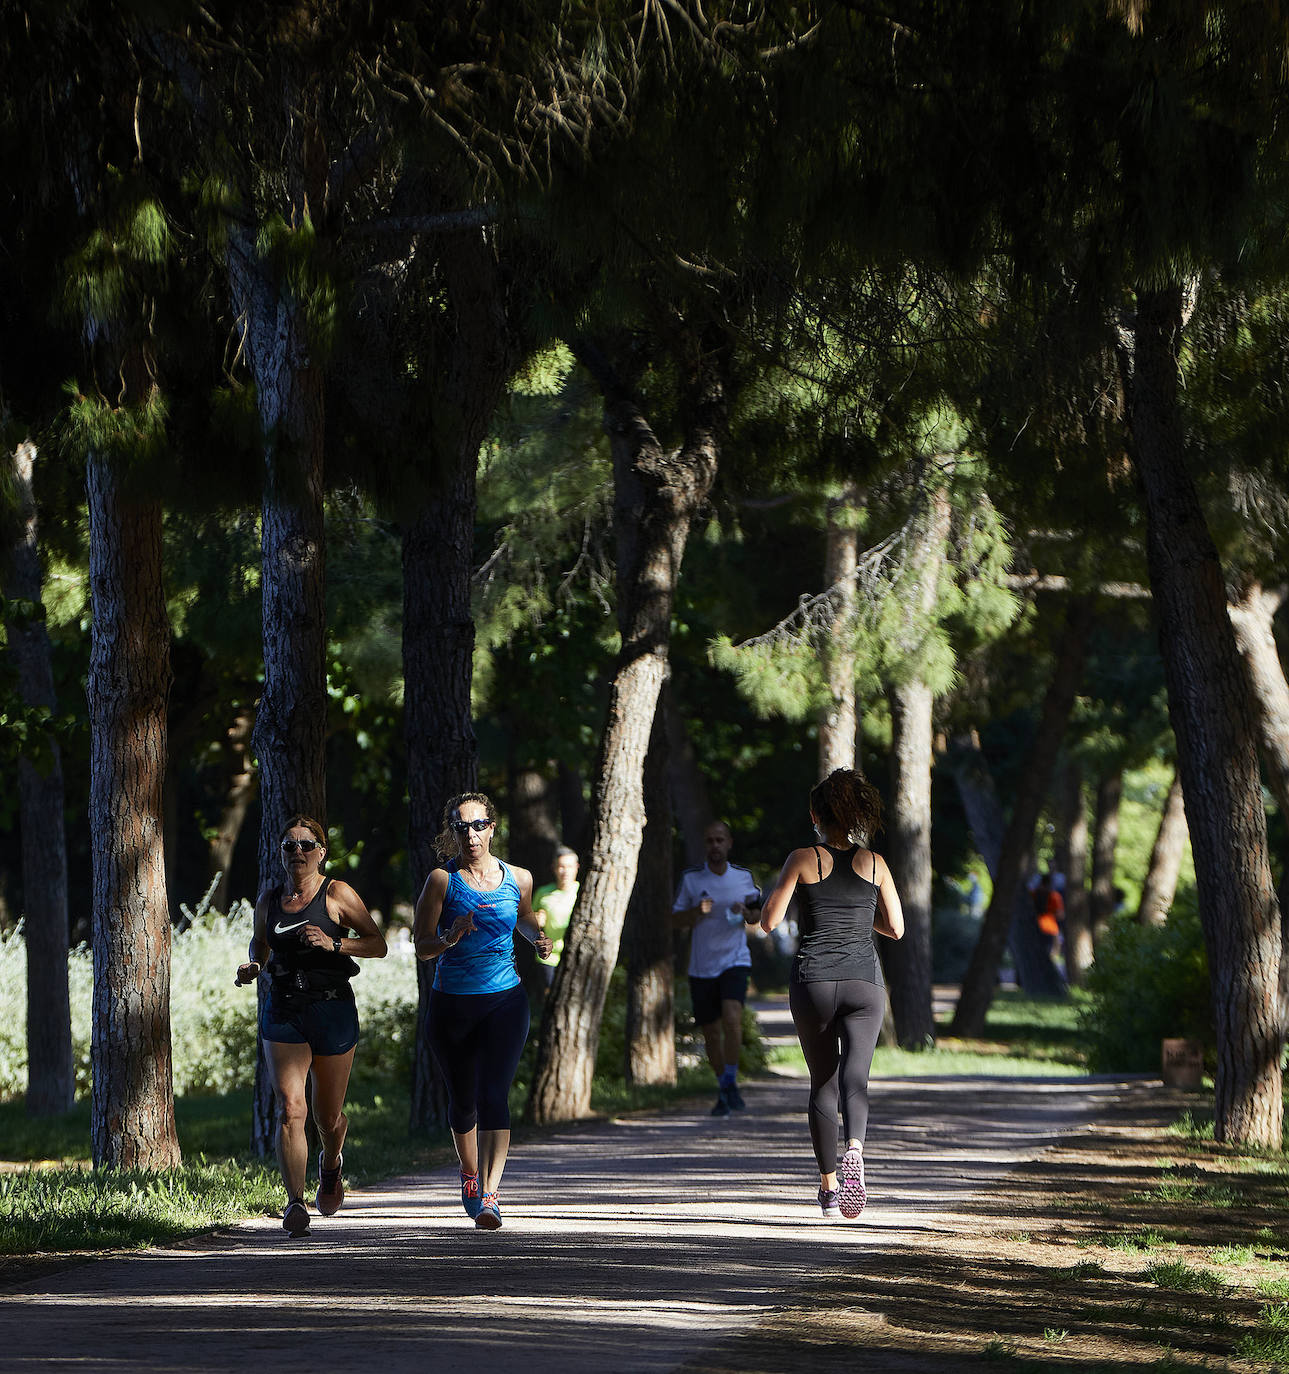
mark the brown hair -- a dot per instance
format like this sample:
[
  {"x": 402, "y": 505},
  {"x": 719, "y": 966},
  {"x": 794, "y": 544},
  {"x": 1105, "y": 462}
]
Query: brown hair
[
  {"x": 846, "y": 800},
  {"x": 305, "y": 823},
  {"x": 445, "y": 842}
]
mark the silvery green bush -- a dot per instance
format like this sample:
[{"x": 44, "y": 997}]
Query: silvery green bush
[{"x": 212, "y": 1022}]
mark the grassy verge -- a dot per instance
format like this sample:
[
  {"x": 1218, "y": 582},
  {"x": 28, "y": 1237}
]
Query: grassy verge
[{"x": 1025, "y": 1037}]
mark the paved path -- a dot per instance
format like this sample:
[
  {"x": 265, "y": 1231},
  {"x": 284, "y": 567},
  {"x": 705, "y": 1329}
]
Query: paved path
[{"x": 630, "y": 1245}]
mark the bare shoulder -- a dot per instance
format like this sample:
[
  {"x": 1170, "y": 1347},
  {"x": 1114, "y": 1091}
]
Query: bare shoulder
[{"x": 521, "y": 876}]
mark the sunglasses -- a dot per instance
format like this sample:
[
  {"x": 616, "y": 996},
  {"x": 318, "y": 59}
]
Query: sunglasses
[
  {"x": 465, "y": 827},
  {"x": 304, "y": 846}
]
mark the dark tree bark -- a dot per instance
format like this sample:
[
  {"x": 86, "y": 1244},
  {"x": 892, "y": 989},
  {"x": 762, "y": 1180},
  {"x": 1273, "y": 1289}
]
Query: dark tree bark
[
  {"x": 691, "y": 804},
  {"x": 1005, "y": 916},
  {"x": 466, "y": 360},
  {"x": 291, "y": 715},
  {"x": 1105, "y": 841},
  {"x": 534, "y": 833},
  {"x": 647, "y": 934},
  {"x": 1212, "y": 717},
  {"x": 132, "y": 1122},
  {"x": 656, "y": 496},
  {"x": 1160, "y": 887},
  {"x": 240, "y": 782},
  {"x": 51, "y": 1079},
  {"x": 1073, "y": 825}
]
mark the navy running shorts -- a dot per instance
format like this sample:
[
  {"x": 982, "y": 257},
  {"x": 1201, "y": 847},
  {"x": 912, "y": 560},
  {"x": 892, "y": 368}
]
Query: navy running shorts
[
  {"x": 707, "y": 994},
  {"x": 327, "y": 1027}
]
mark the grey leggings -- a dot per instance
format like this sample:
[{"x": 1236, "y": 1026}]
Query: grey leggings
[{"x": 838, "y": 1025}]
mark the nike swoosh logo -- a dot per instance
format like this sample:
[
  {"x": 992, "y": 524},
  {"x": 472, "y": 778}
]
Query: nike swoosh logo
[{"x": 283, "y": 930}]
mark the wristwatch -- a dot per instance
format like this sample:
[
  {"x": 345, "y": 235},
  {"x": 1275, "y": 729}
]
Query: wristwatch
[{"x": 335, "y": 946}]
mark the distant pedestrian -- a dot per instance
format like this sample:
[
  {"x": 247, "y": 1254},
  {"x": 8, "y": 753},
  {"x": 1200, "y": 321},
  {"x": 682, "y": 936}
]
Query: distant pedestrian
[
  {"x": 553, "y": 905},
  {"x": 844, "y": 894},
  {"x": 477, "y": 1022},
  {"x": 309, "y": 1020},
  {"x": 719, "y": 900}
]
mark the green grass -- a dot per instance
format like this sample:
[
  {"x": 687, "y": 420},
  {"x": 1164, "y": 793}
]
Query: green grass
[
  {"x": 1270, "y": 1342},
  {"x": 1180, "y": 1277}
]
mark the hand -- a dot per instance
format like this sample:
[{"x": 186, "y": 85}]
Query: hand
[
  {"x": 705, "y": 905},
  {"x": 246, "y": 973},
  {"x": 543, "y": 944},
  {"x": 461, "y": 927},
  {"x": 312, "y": 937}
]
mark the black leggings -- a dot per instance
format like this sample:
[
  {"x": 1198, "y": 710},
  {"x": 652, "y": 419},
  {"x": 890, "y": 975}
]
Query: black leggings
[
  {"x": 838, "y": 1025},
  {"x": 476, "y": 1039}
]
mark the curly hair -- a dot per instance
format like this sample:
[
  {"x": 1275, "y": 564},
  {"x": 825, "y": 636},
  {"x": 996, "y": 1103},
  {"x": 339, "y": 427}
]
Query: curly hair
[
  {"x": 299, "y": 822},
  {"x": 445, "y": 842},
  {"x": 846, "y": 800}
]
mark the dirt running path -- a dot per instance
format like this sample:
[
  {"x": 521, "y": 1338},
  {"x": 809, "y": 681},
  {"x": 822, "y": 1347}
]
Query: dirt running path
[{"x": 634, "y": 1244}]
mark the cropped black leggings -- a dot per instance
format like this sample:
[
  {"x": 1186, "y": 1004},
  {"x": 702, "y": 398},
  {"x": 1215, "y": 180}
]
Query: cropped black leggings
[
  {"x": 838, "y": 1025},
  {"x": 476, "y": 1039}
]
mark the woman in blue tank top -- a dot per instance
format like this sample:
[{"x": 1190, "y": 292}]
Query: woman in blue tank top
[
  {"x": 477, "y": 1019},
  {"x": 844, "y": 896}
]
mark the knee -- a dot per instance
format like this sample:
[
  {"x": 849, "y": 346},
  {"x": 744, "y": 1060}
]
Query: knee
[
  {"x": 291, "y": 1111},
  {"x": 328, "y": 1122}
]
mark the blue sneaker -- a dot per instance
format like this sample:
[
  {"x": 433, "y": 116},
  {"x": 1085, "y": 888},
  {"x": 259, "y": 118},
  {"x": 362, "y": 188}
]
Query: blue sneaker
[
  {"x": 489, "y": 1217},
  {"x": 722, "y": 1107},
  {"x": 470, "y": 1198}
]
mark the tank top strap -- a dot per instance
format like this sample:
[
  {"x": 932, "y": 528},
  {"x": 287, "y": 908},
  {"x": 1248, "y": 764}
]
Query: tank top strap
[{"x": 819, "y": 863}]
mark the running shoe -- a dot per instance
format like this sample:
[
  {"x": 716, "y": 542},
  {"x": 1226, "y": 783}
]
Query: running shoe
[
  {"x": 850, "y": 1174},
  {"x": 829, "y": 1204},
  {"x": 734, "y": 1097},
  {"x": 722, "y": 1107},
  {"x": 489, "y": 1215},
  {"x": 331, "y": 1187},
  {"x": 470, "y": 1198},
  {"x": 295, "y": 1220}
]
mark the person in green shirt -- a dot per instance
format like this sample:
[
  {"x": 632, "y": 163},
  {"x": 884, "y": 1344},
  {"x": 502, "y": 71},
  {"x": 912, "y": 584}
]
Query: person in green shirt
[{"x": 553, "y": 905}]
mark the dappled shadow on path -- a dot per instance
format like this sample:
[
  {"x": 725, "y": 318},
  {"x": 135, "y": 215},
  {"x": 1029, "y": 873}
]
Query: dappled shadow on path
[{"x": 632, "y": 1244}]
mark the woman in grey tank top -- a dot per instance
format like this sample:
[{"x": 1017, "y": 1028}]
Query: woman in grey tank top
[{"x": 845, "y": 895}]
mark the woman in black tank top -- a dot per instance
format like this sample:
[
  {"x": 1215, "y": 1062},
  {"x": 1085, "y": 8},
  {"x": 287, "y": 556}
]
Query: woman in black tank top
[
  {"x": 308, "y": 1022},
  {"x": 844, "y": 896}
]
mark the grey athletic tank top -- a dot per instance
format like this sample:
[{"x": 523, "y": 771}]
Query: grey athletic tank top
[{"x": 835, "y": 922}]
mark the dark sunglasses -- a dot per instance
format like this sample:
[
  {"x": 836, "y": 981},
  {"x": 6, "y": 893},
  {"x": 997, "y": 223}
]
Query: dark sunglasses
[
  {"x": 304, "y": 846},
  {"x": 465, "y": 827}
]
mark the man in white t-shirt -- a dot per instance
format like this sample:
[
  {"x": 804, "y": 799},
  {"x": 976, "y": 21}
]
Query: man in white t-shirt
[{"x": 720, "y": 900}]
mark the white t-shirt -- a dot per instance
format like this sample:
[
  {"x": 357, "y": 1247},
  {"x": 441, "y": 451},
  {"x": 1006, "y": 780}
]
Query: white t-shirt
[{"x": 716, "y": 945}]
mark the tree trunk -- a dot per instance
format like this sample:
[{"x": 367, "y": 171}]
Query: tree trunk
[
  {"x": 239, "y": 791},
  {"x": 656, "y": 497},
  {"x": 1105, "y": 841},
  {"x": 1005, "y": 911},
  {"x": 1160, "y": 887},
  {"x": 837, "y": 720},
  {"x": 1251, "y": 618},
  {"x": 132, "y": 1124},
  {"x": 442, "y": 759},
  {"x": 647, "y": 934},
  {"x": 689, "y": 796},
  {"x": 1212, "y": 718},
  {"x": 534, "y": 835},
  {"x": 1074, "y": 832},
  {"x": 291, "y": 716},
  {"x": 51, "y": 1079},
  {"x": 908, "y": 827}
]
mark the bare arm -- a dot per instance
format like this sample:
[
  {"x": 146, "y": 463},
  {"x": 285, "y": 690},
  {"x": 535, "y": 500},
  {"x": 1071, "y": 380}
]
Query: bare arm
[
  {"x": 257, "y": 952},
  {"x": 776, "y": 904},
  {"x": 889, "y": 919},
  {"x": 528, "y": 923},
  {"x": 426, "y": 940},
  {"x": 346, "y": 908}
]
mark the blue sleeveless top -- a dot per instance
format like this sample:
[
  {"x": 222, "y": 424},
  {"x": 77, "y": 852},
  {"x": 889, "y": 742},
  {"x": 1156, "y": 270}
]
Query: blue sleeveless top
[
  {"x": 835, "y": 920},
  {"x": 484, "y": 961}
]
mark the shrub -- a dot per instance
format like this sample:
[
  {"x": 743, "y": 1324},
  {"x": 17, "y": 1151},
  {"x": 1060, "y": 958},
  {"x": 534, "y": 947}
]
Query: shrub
[{"x": 1148, "y": 983}]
